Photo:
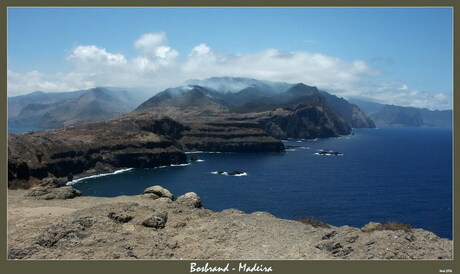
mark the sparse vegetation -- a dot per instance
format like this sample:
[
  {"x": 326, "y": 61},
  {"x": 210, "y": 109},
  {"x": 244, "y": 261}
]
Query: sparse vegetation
[
  {"x": 390, "y": 226},
  {"x": 312, "y": 222}
]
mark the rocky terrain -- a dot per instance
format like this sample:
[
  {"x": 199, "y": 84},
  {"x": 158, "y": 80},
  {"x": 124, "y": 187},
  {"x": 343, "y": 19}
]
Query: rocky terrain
[
  {"x": 51, "y": 222},
  {"x": 138, "y": 140}
]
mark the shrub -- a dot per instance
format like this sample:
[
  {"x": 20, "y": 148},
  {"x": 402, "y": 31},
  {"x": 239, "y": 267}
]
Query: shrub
[
  {"x": 312, "y": 222},
  {"x": 390, "y": 226}
]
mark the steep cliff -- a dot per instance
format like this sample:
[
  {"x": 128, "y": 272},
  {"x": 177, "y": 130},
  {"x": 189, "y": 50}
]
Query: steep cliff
[
  {"x": 137, "y": 140},
  {"x": 309, "y": 118},
  {"x": 228, "y": 136},
  {"x": 390, "y": 115},
  {"x": 92, "y": 148}
]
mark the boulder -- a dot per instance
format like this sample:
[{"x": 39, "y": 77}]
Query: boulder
[
  {"x": 120, "y": 217},
  {"x": 157, "y": 220},
  {"x": 53, "y": 182},
  {"x": 51, "y": 191},
  {"x": 152, "y": 196},
  {"x": 159, "y": 191},
  {"x": 190, "y": 199}
]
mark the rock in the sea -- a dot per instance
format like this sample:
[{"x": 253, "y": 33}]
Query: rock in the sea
[
  {"x": 236, "y": 172},
  {"x": 157, "y": 220},
  {"x": 50, "y": 192},
  {"x": 190, "y": 199},
  {"x": 159, "y": 191},
  {"x": 194, "y": 158}
]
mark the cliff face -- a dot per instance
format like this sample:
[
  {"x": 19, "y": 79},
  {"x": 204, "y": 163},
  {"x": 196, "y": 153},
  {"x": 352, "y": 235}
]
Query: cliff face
[
  {"x": 398, "y": 116},
  {"x": 305, "y": 121},
  {"x": 92, "y": 148},
  {"x": 309, "y": 118},
  {"x": 138, "y": 140},
  {"x": 352, "y": 113},
  {"x": 228, "y": 136}
]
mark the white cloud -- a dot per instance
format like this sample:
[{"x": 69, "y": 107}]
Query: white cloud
[
  {"x": 311, "y": 68},
  {"x": 200, "y": 51},
  {"x": 93, "y": 55},
  {"x": 154, "y": 46},
  {"x": 18, "y": 84},
  {"x": 400, "y": 94},
  {"x": 157, "y": 66},
  {"x": 149, "y": 42},
  {"x": 404, "y": 87},
  {"x": 164, "y": 52}
]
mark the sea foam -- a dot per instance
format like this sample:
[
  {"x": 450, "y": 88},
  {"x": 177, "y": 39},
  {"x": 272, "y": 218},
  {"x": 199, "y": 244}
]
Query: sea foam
[
  {"x": 181, "y": 165},
  {"x": 97, "y": 176},
  {"x": 226, "y": 173}
]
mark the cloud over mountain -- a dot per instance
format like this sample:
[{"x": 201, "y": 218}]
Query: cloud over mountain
[{"x": 158, "y": 65}]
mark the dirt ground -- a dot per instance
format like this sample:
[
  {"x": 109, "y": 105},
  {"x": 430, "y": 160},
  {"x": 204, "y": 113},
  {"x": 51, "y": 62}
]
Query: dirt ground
[{"x": 147, "y": 227}]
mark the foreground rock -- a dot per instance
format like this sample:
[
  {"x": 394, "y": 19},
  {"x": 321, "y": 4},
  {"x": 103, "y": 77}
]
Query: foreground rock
[
  {"x": 53, "y": 189},
  {"x": 50, "y": 192},
  {"x": 159, "y": 192},
  {"x": 190, "y": 199},
  {"x": 138, "y": 227}
]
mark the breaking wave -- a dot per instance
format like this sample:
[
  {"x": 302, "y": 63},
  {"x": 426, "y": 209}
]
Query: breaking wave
[{"x": 97, "y": 176}]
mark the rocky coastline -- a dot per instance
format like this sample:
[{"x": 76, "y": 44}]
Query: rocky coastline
[
  {"x": 55, "y": 222},
  {"x": 48, "y": 219},
  {"x": 138, "y": 140}
]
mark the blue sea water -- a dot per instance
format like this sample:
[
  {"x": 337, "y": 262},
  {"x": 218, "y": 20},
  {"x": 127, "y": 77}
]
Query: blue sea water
[
  {"x": 387, "y": 174},
  {"x": 18, "y": 130}
]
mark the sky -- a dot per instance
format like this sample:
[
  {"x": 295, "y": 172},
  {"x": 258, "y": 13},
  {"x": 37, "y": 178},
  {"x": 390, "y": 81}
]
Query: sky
[{"x": 401, "y": 56}]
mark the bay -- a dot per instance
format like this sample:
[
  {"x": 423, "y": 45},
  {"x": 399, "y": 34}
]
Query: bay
[{"x": 399, "y": 174}]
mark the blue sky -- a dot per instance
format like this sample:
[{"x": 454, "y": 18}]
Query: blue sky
[{"x": 401, "y": 56}]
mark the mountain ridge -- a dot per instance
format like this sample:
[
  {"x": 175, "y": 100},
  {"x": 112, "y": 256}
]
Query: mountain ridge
[
  {"x": 60, "y": 109},
  {"x": 312, "y": 113},
  {"x": 391, "y": 115},
  {"x": 208, "y": 99}
]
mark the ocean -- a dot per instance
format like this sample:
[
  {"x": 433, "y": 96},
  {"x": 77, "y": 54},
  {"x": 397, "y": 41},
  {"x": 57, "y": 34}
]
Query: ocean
[{"x": 399, "y": 174}]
